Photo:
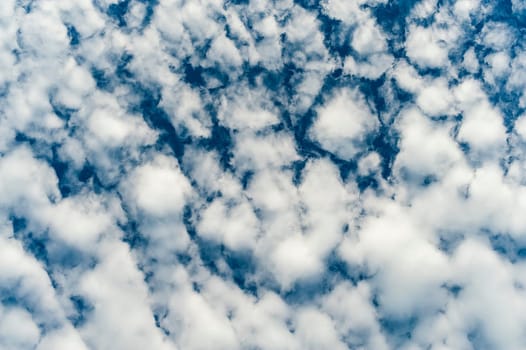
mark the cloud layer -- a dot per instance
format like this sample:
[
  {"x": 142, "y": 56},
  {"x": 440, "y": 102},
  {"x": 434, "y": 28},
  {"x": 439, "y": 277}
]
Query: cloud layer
[{"x": 262, "y": 174}]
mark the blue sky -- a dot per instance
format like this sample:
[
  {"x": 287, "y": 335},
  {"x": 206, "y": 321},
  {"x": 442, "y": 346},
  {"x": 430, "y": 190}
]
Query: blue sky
[{"x": 262, "y": 174}]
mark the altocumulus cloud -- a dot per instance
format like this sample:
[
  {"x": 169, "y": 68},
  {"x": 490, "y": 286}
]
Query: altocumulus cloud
[{"x": 262, "y": 174}]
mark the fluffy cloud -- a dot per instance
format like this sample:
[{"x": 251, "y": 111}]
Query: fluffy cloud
[
  {"x": 262, "y": 174},
  {"x": 343, "y": 123}
]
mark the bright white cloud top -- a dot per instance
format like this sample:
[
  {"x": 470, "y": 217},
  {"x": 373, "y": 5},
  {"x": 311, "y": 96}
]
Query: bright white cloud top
[{"x": 262, "y": 174}]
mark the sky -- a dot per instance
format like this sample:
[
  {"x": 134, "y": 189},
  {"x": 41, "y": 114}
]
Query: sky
[{"x": 262, "y": 174}]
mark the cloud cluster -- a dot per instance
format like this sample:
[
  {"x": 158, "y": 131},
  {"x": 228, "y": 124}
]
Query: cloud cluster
[{"x": 268, "y": 174}]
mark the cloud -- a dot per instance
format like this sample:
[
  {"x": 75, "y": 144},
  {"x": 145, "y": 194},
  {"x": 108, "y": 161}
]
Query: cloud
[
  {"x": 262, "y": 174},
  {"x": 424, "y": 48},
  {"x": 343, "y": 123},
  {"x": 482, "y": 127},
  {"x": 158, "y": 188}
]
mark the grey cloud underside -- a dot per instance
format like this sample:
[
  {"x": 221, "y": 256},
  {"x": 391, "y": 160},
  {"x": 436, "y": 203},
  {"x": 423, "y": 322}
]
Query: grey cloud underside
[{"x": 209, "y": 174}]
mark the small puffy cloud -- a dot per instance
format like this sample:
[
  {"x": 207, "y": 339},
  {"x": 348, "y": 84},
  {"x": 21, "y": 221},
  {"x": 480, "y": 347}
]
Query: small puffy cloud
[
  {"x": 354, "y": 317},
  {"x": 397, "y": 258},
  {"x": 114, "y": 131},
  {"x": 322, "y": 336},
  {"x": 79, "y": 221},
  {"x": 43, "y": 34},
  {"x": 475, "y": 263},
  {"x": 158, "y": 187},
  {"x": 343, "y": 123},
  {"x": 482, "y": 125},
  {"x": 464, "y": 8},
  {"x": 62, "y": 339},
  {"x": 324, "y": 217},
  {"x": 346, "y": 11},
  {"x": 520, "y": 126},
  {"x": 195, "y": 321},
  {"x": 18, "y": 330},
  {"x": 428, "y": 46},
  {"x": 112, "y": 127},
  {"x": 407, "y": 77},
  {"x": 499, "y": 63},
  {"x": 369, "y": 164},
  {"x": 436, "y": 99},
  {"x": 205, "y": 170},
  {"x": 368, "y": 39},
  {"x": 78, "y": 84},
  {"x": 185, "y": 108},
  {"x": 234, "y": 225},
  {"x": 470, "y": 61},
  {"x": 294, "y": 259},
  {"x": 247, "y": 108},
  {"x": 424, "y": 49},
  {"x": 497, "y": 36},
  {"x": 372, "y": 68},
  {"x": 273, "y": 191},
  {"x": 426, "y": 148},
  {"x": 224, "y": 52},
  {"x": 26, "y": 280},
  {"x": 260, "y": 152},
  {"x": 116, "y": 288},
  {"x": 26, "y": 181}
]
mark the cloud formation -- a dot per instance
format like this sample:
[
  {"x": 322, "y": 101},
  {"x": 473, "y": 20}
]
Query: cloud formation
[{"x": 271, "y": 174}]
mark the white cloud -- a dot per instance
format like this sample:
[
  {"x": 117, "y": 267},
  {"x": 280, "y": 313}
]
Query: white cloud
[
  {"x": 324, "y": 217},
  {"x": 294, "y": 259},
  {"x": 247, "y": 108},
  {"x": 497, "y": 35},
  {"x": 135, "y": 14},
  {"x": 470, "y": 61},
  {"x": 185, "y": 108},
  {"x": 476, "y": 264},
  {"x": 520, "y": 126},
  {"x": 464, "y": 8},
  {"x": 235, "y": 225},
  {"x": 79, "y": 221},
  {"x": 43, "y": 34},
  {"x": 426, "y": 148},
  {"x": 224, "y": 52},
  {"x": 369, "y": 164},
  {"x": 194, "y": 320},
  {"x": 158, "y": 187},
  {"x": 376, "y": 65},
  {"x": 424, "y": 8},
  {"x": 368, "y": 39},
  {"x": 399, "y": 253},
  {"x": 518, "y": 71},
  {"x": 113, "y": 129},
  {"x": 62, "y": 339},
  {"x": 204, "y": 168},
  {"x": 26, "y": 280},
  {"x": 343, "y": 123},
  {"x": 323, "y": 336},
  {"x": 260, "y": 152},
  {"x": 436, "y": 99},
  {"x": 354, "y": 316},
  {"x": 17, "y": 329},
  {"x": 346, "y": 11},
  {"x": 423, "y": 46},
  {"x": 25, "y": 180},
  {"x": 122, "y": 317},
  {"x": 517, "y": 6},
  {"x": 498, "y": 67},
  {"x": 96, "y": 207},
  {"x": 482, "y": 125},
  {"x": 407, "y": 77}
]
